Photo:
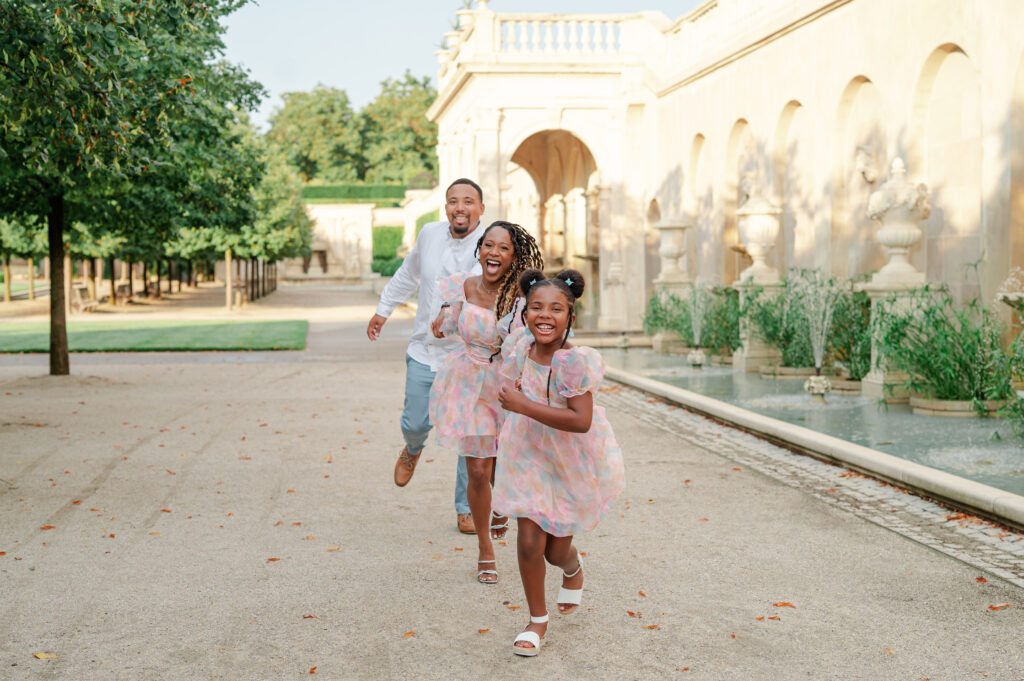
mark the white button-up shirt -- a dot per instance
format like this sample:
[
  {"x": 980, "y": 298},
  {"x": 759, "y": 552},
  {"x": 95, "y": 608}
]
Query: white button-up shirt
[{"x": 435, "y": 255}]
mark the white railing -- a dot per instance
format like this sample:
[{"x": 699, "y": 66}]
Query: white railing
[{"x": 559, "y": 34}]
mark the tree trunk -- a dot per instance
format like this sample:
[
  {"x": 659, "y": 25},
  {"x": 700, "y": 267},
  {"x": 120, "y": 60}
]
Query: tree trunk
[
  {"x": 60, "y": 365},
  {"x": 228, "y": 283},
  {"x": 156, "y": 290},
  {"x": 68, "y": 283},
  {"x": 131, "y": 275},
  {"x": 31, "y": 278},
  {"x": 113, "y": 281},
  {"x": 145, "y": 279},
  {"x": 7, "y": 278}
]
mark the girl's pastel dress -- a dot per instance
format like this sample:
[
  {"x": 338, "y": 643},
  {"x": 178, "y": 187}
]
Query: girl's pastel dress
[
  {"x": 464, "y": 405},
  {"x": 565, "y": 482}
]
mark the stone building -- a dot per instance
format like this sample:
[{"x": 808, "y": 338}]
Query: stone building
[{"x": 591, "y": 130}]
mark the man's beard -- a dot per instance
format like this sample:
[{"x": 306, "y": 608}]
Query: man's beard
[{"x": 461, "y": 231}]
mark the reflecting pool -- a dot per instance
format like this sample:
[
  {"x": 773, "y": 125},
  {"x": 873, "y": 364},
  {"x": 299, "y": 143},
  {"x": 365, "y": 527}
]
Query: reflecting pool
[{"x": 985, "y": 449}]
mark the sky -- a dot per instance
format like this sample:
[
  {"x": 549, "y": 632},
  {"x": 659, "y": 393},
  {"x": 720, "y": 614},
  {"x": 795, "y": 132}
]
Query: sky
[{"x": 291, "y": 45}]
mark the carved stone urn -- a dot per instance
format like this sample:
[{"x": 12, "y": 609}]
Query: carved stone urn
[
  {"x": 758, "y": 227},
  {"x": 818, "y": 386},
  {"x": 899, "y": 205},
  {"x": 672, "y": 250}
]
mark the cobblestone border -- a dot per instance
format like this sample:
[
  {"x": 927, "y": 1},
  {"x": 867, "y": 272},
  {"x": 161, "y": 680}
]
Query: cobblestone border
[{"x": 968, "y": 538}]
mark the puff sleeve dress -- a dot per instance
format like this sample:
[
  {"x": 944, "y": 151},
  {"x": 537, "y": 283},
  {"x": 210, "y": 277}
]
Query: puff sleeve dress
[
  {"x": 565, "y": 482},
  {"x": 464, "y": 405}
]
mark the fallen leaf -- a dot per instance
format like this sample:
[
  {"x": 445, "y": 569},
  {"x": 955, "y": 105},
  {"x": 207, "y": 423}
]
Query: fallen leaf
[
  {"x": 775, "y": 617},
  {"x": 77, "y": 502},
  {"x": 686, "y": 482},
  {"x": 296, "y": 524},
  {"x": 981, "y": 580},
  {"x": 583, "y": 553},
  {"x": 154, "y": 534},
  {"x": 436, "y": 556},
  {"x": 46, "y": 527},
  {"x": 642, "y": 594},
  {"x": 889, "y": 651},
  {"x": 170, "y": 472},
  {"x": 704, "y": 520},
  {"x": 291, "y": 491},
  {"x": 760, "y": 619},
  {"x": 312, "y": 670},
  {"x": 653, "y": 626},
  {"x": 278, "y": 523},
  {"x": 309, "y": 536},
  {"x": 408, "y": 634},
  {"x": 44, "y": 656},
  {"x": 735, "y": 636},
  {"x": 333, "y": 548},
  {"x": 736, "y": 468},
  {"x": 273, "y": 560},
  {"x": 1001, "y": 606},
  {"x": 637, "y": 614},
  {"x": 458, "y": 548},
  {"x": 162, "y": 510},
  {"x": 784, "y": 604},
  {"x": 513, "y": 607},
  {"x": 309, "y": 617},
  {"x": 429, "y": 461},
  {"x": 483, "y": 631}
]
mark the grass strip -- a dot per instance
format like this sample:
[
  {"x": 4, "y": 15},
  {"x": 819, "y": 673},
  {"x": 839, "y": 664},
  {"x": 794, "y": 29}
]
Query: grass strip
[{"x": 157, "y": 336}]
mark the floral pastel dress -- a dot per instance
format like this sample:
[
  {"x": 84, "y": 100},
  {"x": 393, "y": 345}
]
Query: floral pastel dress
[
  {"x": 565, "y": 482},
  {"x": 464, "y": 405}
]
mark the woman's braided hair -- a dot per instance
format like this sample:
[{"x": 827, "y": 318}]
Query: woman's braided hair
[{"x": 526, "y": 256}]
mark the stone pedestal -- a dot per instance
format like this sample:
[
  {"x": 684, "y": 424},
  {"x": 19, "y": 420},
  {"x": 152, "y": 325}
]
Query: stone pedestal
[
  {"x": 753, "y": 352},
  {"x": 880, "y": 382},
  {"x": 673, "y": 279}
]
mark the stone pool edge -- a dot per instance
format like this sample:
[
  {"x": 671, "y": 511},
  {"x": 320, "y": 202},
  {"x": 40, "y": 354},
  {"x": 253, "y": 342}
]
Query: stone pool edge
[{"x": 996, "y": 504}]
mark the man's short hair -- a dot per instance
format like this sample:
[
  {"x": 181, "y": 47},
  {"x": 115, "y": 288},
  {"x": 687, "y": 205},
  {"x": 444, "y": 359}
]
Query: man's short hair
[{"x": 471, "y": 183}]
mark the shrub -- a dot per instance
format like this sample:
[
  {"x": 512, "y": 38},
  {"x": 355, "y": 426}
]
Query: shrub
[
  {"x": 948, "y": 353},
  {"x": 354, "y": 192},
  {"x": 668, "y": 312},
  {"x": 850, "y": 341},
  {"x": 386, "y": 242},
  {"x": 432, "y": 216},
  {"x": 386, "y": 267},
  {"x": 780, "y": 321},
  {"x": 721, "y": 333}
]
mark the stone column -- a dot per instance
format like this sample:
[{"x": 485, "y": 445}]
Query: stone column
[
  {"x": 898, "y": 205},
  {"x": 673, "y": 278},
  {"x": 613, "y": 285},
  {"x": 758, "y": 226}
]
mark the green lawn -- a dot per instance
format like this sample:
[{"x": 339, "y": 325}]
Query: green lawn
[
  {"x": 156, "y": 336},
  {"x": 23, "y": 285}
]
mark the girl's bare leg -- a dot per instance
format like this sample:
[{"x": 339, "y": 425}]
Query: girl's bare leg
[
  {"x": 561, "y": 553},
  {"x": 478, "y": 492},
  {"x": 531, "y": 544}
]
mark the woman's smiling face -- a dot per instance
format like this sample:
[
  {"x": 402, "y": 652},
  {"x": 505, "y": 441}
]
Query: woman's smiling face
[
  {"x": 547, "y": 314},
  {"x": 496, "y": 254}
]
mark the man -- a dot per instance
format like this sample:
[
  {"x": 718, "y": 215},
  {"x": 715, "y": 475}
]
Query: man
[{"x": 441, "y": 249}]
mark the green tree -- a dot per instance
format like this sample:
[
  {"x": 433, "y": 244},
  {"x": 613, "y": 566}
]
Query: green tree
[
  {"x": 21, "y": 238},
  {"x": 93, "y": 93},
  {"x": 319, "y": 135},
  {"x": 398, "y": 139}
]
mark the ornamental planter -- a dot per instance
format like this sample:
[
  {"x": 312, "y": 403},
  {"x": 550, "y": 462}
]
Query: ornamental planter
[
  {"x": 844, "y": 386},
  {"x": 953, "y": 408}
]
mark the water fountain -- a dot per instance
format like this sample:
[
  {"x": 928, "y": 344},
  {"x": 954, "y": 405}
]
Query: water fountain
[
  {"x": 818, "y": 294},
  {"x": 698, "y": 302}
]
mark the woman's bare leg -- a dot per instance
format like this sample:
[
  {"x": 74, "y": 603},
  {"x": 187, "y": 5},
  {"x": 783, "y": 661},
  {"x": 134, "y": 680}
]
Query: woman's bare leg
[{"x": 478, "y": 493}]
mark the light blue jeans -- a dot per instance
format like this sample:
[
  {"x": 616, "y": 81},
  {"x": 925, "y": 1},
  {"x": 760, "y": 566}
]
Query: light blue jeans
[{"x": 416, "y": 423}]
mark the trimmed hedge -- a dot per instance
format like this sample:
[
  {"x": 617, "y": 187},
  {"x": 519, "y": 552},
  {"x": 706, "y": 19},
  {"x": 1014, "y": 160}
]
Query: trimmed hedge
[
  {"x": 386, "y": 242},
  {"x": 354, "y": 192},
  {"x": 432, "y": 216},
  {"x": 386, "y": 268}
]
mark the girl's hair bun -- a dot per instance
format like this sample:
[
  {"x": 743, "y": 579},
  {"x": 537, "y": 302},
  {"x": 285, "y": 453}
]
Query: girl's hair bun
[
  {"x": 573, "y": 280},
  {"x": 528, "y": 278}
]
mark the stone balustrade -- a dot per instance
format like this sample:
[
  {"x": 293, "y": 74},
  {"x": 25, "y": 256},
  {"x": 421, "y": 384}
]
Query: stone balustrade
[{"x": 571, "y": 35}]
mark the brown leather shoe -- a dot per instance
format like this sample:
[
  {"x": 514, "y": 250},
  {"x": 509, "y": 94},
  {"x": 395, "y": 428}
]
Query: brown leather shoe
[
  {"x": 465, "y": 522},
  {"x": 405, "y": 466}
]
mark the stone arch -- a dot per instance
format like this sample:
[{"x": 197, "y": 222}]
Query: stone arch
[
  {"x": 792, "y": 189},
  {"x": 562, "y": 198},
  {"x": 945, "y": 152},
  {"x": 700, "y": 205},
  {"x": 860, "y": 167},
  {"x": 741, "y": 161},
  {"x": 1017, "y": 170}
]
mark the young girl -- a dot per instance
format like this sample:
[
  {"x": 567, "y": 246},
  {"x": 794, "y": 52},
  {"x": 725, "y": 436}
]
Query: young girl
[
  {"x": 560, "y": 465},
  {"x": 464, "y": 398}
]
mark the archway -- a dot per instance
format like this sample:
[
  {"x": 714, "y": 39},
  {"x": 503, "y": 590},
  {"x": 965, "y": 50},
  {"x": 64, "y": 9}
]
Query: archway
[
  {"x": 945, "y": 152},
  {"x": 741, "y": 176},
  {"x": 860, "y": 168},
  {"x": 792, "y": 178},
  {"x": 561, "y": 205}
]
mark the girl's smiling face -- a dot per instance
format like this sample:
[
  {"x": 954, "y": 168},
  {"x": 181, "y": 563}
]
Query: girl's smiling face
[
  {"x": 496, "y": 254},
  {"x": 547, "y": 314}
]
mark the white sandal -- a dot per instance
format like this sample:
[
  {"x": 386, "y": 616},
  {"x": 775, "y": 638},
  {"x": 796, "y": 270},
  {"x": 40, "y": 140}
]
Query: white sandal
[
  {"x": 531, "y": 637},
  {"x": 481, "y": 573},
  {"x": 571, "y": 597},
  {"x": 496, "y": 528}
]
